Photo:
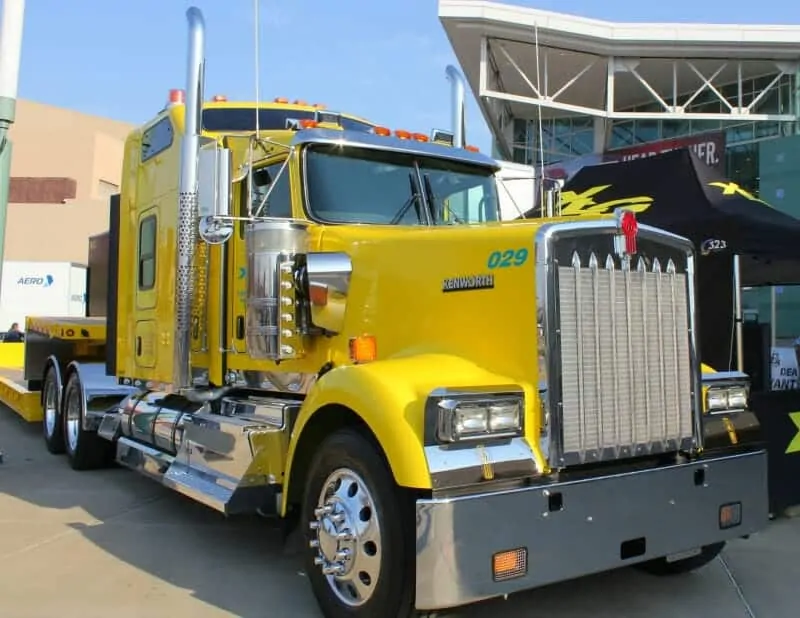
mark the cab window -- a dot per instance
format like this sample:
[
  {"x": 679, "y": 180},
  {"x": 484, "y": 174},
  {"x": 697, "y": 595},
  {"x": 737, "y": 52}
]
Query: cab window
[
  {"x": 147, "y": 253},
  {"x": 279, "y": 202}
]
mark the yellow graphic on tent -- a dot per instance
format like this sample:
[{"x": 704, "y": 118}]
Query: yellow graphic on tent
[
  {"x": 794, "y": 445},
  {"x": 732, "y": 188},
  {"x": 574, "y": 204}
]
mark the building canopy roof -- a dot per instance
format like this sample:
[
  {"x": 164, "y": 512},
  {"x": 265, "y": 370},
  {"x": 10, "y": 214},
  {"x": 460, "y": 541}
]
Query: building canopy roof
[{"x": 515, "y": 57}]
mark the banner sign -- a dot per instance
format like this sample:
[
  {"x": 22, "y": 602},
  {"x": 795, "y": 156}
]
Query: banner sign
[
  {"x": 709, "y": 148},
  {"x": 784, "y": 375}
]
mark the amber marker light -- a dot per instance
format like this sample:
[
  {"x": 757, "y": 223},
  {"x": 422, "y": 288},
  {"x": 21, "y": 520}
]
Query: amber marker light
[
  {"x": 363, "y": 349},
  {"x": 510, "y": 564}
]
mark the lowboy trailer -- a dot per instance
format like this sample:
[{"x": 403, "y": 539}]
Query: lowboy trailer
[{"x": 325, "y": 321}]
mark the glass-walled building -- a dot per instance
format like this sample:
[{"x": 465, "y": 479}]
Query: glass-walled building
[{"x": 571, "y": 136}]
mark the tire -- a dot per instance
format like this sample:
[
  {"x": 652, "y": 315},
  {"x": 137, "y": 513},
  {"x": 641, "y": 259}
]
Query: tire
[
  {"x": 349, "y": 488},
  {"x": 85, "y": 449},
  {"x": 661, "y": 567},
  {"x": 52, "y": 423}
]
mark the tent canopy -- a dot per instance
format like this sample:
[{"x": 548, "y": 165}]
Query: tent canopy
[{"x": 678, "y": 192}]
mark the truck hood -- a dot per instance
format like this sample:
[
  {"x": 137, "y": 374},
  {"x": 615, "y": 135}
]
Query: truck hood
[{"x": 463, "y": 290}]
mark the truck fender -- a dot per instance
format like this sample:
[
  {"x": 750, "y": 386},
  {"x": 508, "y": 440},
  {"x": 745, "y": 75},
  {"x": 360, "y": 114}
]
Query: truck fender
[
  {"x": 52, "y": 363},
  {"x": 389, "y": 398}
]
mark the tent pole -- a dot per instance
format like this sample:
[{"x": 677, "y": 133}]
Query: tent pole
[
  {"x": 773, "y": 316},
  {"x": 737, "y": 302}
]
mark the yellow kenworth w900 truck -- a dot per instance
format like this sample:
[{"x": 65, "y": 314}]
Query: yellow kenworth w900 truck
[{"x": 328, "y": 324}]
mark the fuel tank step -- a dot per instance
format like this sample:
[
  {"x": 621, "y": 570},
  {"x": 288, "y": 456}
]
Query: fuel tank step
[{"x": 230, "y": 461}]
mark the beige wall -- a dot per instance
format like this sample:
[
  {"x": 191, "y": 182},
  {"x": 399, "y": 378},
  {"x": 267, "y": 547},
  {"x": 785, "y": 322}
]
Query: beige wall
[{"x": 54, "y": 142}]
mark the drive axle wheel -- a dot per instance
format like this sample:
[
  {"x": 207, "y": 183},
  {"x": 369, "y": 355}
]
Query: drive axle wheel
[
  {"x": 359, "y": 553},
  {"x": 85, "y": 449},
  {"x": 52, "y": 425}
]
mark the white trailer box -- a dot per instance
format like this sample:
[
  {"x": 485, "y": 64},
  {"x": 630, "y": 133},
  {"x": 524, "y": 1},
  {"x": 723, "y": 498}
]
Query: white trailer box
[
  {"x": 41, "y": 289},
  {"x": 516, "y": 189}
]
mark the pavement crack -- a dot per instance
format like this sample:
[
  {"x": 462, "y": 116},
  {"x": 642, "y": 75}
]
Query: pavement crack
[{"x": 737, "y": 587}]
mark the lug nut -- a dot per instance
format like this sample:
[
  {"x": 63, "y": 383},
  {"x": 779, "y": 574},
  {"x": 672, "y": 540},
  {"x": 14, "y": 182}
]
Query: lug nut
[
  {"x": 319, "y": 561},
  {"x": 314, "y": 525},
  {"x": 342, "y": 555},
  {"x": 345, "y": 536},
  {"x": 323, "y": 510},
  {"x": 331, "y": 570},
  {"x": 338, "y": 518},
  {"x": 313, "y": 544}
]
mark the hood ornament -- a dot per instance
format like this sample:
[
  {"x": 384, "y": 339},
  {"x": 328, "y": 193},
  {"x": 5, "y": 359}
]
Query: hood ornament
[{"x": 627, "y": 232}]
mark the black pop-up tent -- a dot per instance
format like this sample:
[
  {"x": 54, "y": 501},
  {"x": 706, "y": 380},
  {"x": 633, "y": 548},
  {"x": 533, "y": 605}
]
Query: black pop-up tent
[{"x": 678, "y": 192}]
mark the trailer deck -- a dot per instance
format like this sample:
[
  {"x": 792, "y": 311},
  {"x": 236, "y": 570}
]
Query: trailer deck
[
  {"x": 77, "y": 333},
  {"x": 69, "y": 329},
  {"x": 15, "y": 394}
]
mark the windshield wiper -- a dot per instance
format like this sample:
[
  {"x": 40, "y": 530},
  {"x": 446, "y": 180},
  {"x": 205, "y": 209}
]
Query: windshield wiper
[
  {"x": 436, "y": 213},
  {"x": 414, "y": 200}
]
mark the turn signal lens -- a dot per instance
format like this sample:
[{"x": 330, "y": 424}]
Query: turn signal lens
[
  {"x": 318, "y": 295},
  {"x": 383, "y": 131},
  {"x": 471, "y": 148},
  {"x": 363, "y": 349},
  {"x": 401, "y": 134},
  {"x": 510, "y": 564},
  {"x": 730, "y": 515}
]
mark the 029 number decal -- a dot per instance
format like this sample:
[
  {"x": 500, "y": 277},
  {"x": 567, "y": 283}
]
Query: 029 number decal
[{"x": 508, "y": 258}]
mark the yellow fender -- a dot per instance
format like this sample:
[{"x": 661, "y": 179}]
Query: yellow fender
[{"x": 389, "y": 396}]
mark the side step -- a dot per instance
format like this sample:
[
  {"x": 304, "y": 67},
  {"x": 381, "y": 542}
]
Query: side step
[{"x": 228, "y": 463}]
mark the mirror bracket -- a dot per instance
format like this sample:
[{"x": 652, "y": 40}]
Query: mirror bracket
[{"x": 214, "y": 172}]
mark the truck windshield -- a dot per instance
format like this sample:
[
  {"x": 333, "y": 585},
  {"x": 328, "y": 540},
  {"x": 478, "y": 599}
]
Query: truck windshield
[{"x": 361, "y": 185}]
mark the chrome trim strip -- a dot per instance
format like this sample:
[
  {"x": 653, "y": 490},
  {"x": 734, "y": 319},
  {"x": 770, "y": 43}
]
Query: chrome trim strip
[
  {"x": 723, "y": 378},
  {"x": 359, "y": 139},
  {"x": 463, "y": 465},
  {"x": 547, "y": 293}
]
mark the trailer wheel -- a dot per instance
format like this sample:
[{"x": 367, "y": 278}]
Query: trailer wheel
[
  {"x": 359, "y": 550},
  {"x": 662, "y": 567},
  {"x": 52, "y": 423},
  {"x": 85, "y": 449}
]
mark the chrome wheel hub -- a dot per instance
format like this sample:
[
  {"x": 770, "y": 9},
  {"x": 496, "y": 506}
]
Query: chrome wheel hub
[
  {"x": 348, "y": 537},
  {"x": 50, "y": 411},
  {"x": 73, "y": 424}
]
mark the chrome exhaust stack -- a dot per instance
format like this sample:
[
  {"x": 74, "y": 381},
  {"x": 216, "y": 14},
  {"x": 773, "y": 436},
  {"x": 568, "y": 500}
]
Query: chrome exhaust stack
[
  {"x": 457, "y": 110},
  {"x": 187, "y": 204}
]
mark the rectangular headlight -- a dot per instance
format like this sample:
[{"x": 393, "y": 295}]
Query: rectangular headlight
[
  {"x": 737, "y": 397},
  {"x": 474, "y": 419},
  {"x": 727, "y": 398}
]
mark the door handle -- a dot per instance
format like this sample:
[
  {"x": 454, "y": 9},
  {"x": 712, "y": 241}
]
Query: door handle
[{"x": 138, "y": 346}]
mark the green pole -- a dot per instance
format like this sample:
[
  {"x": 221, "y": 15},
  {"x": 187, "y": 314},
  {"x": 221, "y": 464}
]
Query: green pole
[
  {"x": 6, "y": 118},
  {"x": 13, "y": 15}
]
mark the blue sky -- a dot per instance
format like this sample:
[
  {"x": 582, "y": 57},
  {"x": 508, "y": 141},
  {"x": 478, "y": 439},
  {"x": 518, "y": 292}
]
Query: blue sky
[{"x": 381, "y": 59}]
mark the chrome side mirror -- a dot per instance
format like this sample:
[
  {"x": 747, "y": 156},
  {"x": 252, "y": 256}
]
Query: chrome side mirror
[{"x": 215, "y": 225}]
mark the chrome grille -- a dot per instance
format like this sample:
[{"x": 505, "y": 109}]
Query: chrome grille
[{"x": 626, "y": 373}]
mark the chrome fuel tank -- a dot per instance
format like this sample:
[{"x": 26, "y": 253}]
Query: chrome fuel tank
[{"x": 156, "y": 419}]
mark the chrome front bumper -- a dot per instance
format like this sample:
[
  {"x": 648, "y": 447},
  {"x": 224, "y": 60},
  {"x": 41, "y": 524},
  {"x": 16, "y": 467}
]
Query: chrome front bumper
[{"x": 662, "y": 511}]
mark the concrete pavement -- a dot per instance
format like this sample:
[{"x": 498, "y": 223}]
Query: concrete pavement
[{"x": 111, "y": 543}]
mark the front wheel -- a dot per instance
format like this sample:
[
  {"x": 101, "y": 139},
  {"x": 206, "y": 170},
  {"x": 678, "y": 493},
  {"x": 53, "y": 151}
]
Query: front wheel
[
  {"x": 662, "y": 566},
  {"x": 359, "y": 532}
]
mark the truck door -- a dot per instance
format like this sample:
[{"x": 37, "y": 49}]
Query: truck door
[{"x": 145, "y": 330}]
